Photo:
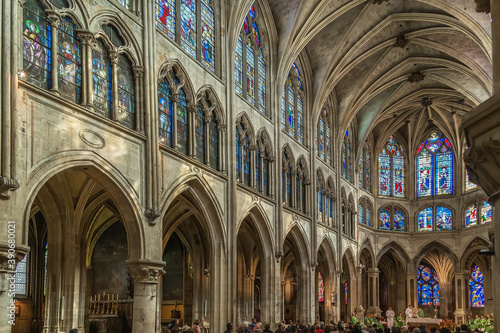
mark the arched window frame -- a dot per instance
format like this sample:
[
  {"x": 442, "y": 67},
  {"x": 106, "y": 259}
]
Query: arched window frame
[
  {"x": 293, "y": 102},
  {"x": 263, "y": 165},
  {"x": 247, "y": 157},
  {"x": 478, "y": 213},
  {"x": 347, "y": 155},
  {"x": 364, "y": 212},
  {"x": 364, "y": 167},
  {"x": 424, "y": 147},
  {"x": 204, "y": 43},
  {"x": 324, "y": 137},
  {"x": 252, "y": 41},
  {"x": 288, "y": 178},
  {"x": 211, "y": 134},
  {"x": 434, "y": 216},
  {"x": 301, "y": 186},
  {"x": 392, "y": 148},
  {"x": 393, "y": 211}
]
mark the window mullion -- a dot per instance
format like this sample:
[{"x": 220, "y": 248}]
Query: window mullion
[{"x": 55, "y": 23}]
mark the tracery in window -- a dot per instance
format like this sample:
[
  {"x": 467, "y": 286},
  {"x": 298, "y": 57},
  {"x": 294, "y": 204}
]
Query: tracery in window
[
  {"x": 243, "y": 152},
  {"x": 434, "y": 166},
  {"x": 364, "y": 211},
  {"x": 427, "y": 286},
  {"x": 250, "y": 62},
  {"x": 323, "y": 137},
  {"x": 476, "y": 288},
  {"x": 293, "y": 96},
  {"x": 20, "y": 278},
  {"x": 391, "y": 169},
  {"x": 262, "y": 161}
]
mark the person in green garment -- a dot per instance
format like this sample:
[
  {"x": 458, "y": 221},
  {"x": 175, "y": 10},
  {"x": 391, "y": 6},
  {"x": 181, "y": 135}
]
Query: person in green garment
[
  {"x": 420, "y": 313},
  {"x": 400, "y": 320},
  {"x": 354, "y": 319}
]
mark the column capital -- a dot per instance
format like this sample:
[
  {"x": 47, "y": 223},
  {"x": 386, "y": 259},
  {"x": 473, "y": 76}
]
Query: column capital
[
  {"x": 114, "y": 57},
  {"x": 175, "y": 97},
  {"x": 54, "y": 19},
  {"x": 138, "y": 71},
  {"x": 146, "y": 271},
  {"x": 192, "y": 108}
]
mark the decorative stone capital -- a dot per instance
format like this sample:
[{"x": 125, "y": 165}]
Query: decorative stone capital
[
  {"x": 175, "y": 97},
  {"x": 192, "y": 108},
  {"x": 6, "y": 185},
  {"x": 152, "y": 215},
  {"x": 138, "y": 72},
  {"x": 54, "y": 19},
  {"x": 86, "y": 37},
  {"x": 416, "y": 77},
  {"x": 114, "y": 57},
  {"x": 146, "y": 271},
  {"x": 221, "y": 127},
  {"x": 278, "y": 255}
]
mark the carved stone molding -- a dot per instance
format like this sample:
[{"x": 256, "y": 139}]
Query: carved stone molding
[
  {"x": 6, "y": 185},
  {"x": 278, "y": 255},
  {"x": 146, "y": 271},
  {"x": 152, "y": 215},
  {"x": 416, "y": 77}
]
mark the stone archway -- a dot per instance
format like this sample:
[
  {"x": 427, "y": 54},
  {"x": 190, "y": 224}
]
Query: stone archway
[{"x": 325, "y": 310}]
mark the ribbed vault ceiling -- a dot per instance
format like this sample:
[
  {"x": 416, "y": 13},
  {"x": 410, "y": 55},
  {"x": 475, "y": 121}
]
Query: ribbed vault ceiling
[{"x": 361, "y": 55}]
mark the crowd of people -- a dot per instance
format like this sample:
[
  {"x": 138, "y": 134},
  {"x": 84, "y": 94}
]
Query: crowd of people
[{"x": 390, "y": 324}]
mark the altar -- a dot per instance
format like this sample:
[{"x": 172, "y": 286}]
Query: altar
[{"x": 427, "y": 322}]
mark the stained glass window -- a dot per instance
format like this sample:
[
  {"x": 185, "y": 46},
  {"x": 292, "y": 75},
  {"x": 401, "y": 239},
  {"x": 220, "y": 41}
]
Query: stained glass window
[
  {"x": 165, "y": 16},
  {"x": 434, "y": 166},
  {"x": 37, "y": 45},
  {"x": 368, "y": 215},
  {"x": 346, "y": 157},
  {"x": 199, "y": 133},
  {"x": 64, "y": 3},
  {"x": 124, "y": 3},
  {"x": 385, "y": 219},
  {"x": 323, "y": 137},
  {"x": 425, "y": 219},
  {"x": 246, "y": 161},
  {"x": 399, "y": 220},
  {"x": 328, "y": 152},
  {"x": 265, "y": 175},
  {"x": 289, "y": 185},
  {"x": 283, "y": 110},
  {"x": 391, "y": 165},
  {"x": 443, "y": 218},
  {"x": 486, "y": 212},
  {"x": 320, "y": 197},
  {"x": 249, "y": 48},
  {"x": 239, "y": 66},
  {"x": 207, "y": 35},
  {"x": 102, "y": 80},
  {"x": 262, "y": 83},
  {"x": 69, "y": 61},
  {"x": 476, "y": 288},
  {"x": 250, "y": 74},
  {"x": 346, "y": 292},
  {"x": 469, "y": 185},
  {"x": 20, "y": 277},
  {"x": 213, "y": 142},
  {"x": 126, "y": 99},
  {"x": 427, "y": 286},
  {"x": 182, "y": 123},
  {"x": 471, "y": 215},
  {"x": 165, "y": 111},
  {"x": 321, "y": 288},
  {"x": 293, "y": 121},
  {"x": 360, "y": 213},
  {"x": 364, "y": 168},
  {"x": 239, "y": 174}
]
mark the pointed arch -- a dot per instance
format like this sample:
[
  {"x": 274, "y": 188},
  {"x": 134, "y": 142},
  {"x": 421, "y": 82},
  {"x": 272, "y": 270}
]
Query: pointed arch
[
  {"x": 471, "y": 252},
  {"x": 243, "y": 118},
  {"x": 264, "y": 140},
  {"x": 297, "y": 233},
  {"x": 434, "y": 244},
  {"x": 260, "y": 221},
  {"x": 172, "y": 68},
  {"x": 215, "y": 106},
  {"x": 397, "y": 249},
  {"x": 368, "y": 248}
]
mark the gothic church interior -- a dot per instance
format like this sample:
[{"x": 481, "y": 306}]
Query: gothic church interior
[{"x": 223, "y": 160}]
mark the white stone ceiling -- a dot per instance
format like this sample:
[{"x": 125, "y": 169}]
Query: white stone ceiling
[{"x": 350, "y": 50}]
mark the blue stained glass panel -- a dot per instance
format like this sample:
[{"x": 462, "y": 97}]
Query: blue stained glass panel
[
  {"x": 213, "y": 142},
  {"x": 265, "y": 176},
  {"x": 207, "y": 35},
  {"x": 399, "y": 220},
  {"x": 368, "y": 215},
  {"x": 102, "y": 80},
  {"x": 251, "y": 11},
  {"x": 384, "y": 164},
  {"x": 165, "y": 17},
  {"x": 256, "y": 34},
  {"x": 444, "y": 171},
  {"x": 427, "y": 286},
  {"x": 262, "y": 84},
  {"x": 385, "y": 219},
  {"x": 199, "y": 130},
  {"x": 398, "y": 170},
  {"x": 283, "y": 109},
  {"x": 368, "y": 174},
  {"x": 424, "y": 174},
  {"x": 321, "y": 138},
  {"x": 239, "y": 176},
  {"x": 246, "y": 161},
  {"x": 327, "y": 143},
  {"x": 289, "y": 186},
  {"x": 360, "y": 213},
  {"x": 425, "y": 219},
  {"x": 238, "y": 63},
  {"x": 182, "y": 123},
  {"x": 476, "y": 288},
  {"x": 291, "y": 112},
  {"x": 165, "y": 110},
  {"x": 69, "y": 61},
  {"x": 258, "y": 170},
  {"x": 300, "y": 120},
  {"x": 126, "y": 97},
  {"x": 443, "y": 218}
]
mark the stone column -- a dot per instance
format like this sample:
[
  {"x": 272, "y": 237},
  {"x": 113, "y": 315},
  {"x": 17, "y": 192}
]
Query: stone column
[
  {"x": 191, "y": 135},
  {"x": 220, "y": 131},
  {"x": 461, "y": 284},
  {"x": 146, "y": 274},
  {"x": 253, "y": 149},
  {"x": 139, "y": 98},
  {"x": 411, "y": 289},
  {"x": 55, "y": 23},
  {"x": 359, "y": 310},
  {"x": 114, "y": 57},
  {"x": 373, "y": 291},
  {"x": 208, "y": 120}
]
